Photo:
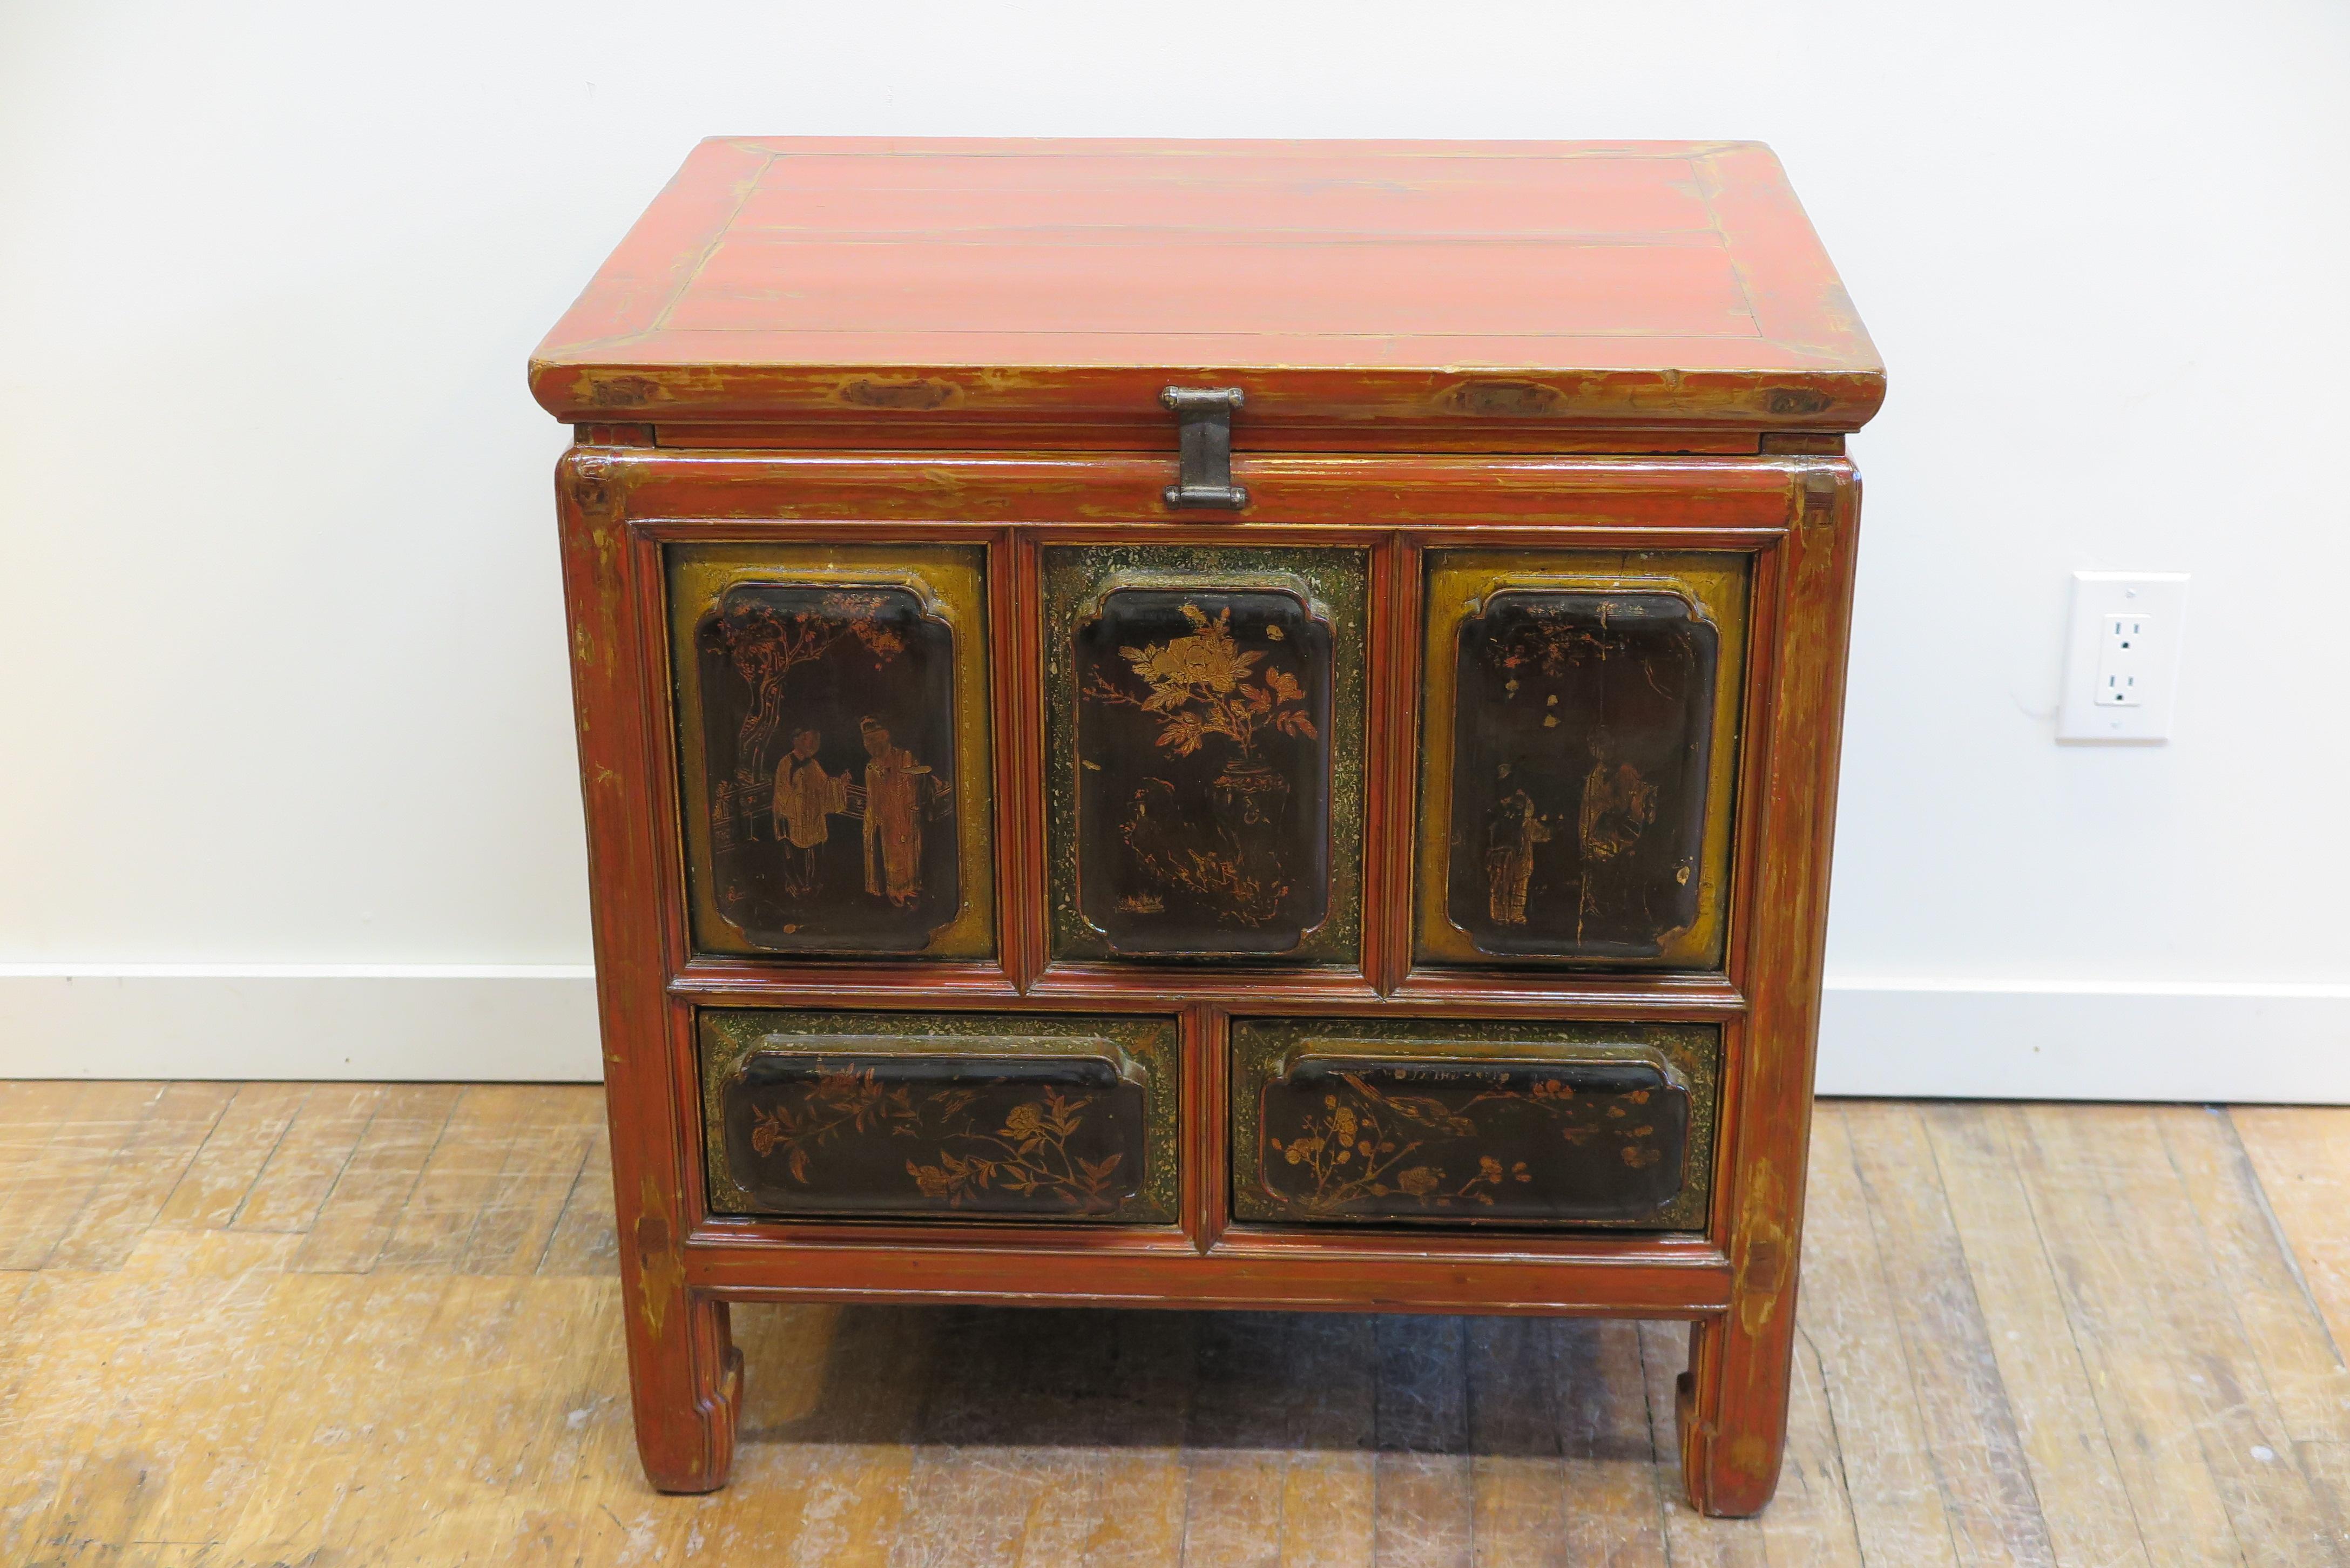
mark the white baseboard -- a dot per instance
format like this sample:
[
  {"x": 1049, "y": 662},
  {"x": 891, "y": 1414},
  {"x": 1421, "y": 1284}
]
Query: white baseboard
[
  {"x": 477, "y": 1022},
  {"x": 2012, "y": 1040},
  {"x": 1924, "y": 1038}
]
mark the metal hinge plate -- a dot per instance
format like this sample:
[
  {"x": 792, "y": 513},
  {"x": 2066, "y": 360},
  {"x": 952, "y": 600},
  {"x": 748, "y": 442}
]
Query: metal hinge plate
[{"x": 1204, "y": 478}]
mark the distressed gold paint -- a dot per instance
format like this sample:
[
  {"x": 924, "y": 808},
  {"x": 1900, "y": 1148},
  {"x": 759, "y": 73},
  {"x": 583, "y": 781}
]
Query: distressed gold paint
[
  {"x": 951, "y": 581},
  {"x": 1457, "y": 581},
  {"x": 1762, "y": 1255},
  {"x": 1818, "y": 503},
  {"x": 914, "y": 393},
  {"x": 660, "y": 1273},
  {"x": 1750, "y": 1455}
]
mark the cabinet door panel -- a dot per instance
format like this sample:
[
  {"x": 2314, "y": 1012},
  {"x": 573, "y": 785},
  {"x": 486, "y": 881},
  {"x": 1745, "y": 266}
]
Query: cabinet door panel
[
  {"x": 1205, "y": 773},
  {"x": 834, "y": 747},
  {"x": 1581, "y": 747},
  {"x": 1472, "y": 1123},
  {"x": 847, "y": 1115}
]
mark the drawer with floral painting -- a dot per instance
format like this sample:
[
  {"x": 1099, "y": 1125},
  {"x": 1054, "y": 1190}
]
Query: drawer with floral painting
[
  {"x": 980, "y": 1116},
  {"x": 1423, "y": 1122}
]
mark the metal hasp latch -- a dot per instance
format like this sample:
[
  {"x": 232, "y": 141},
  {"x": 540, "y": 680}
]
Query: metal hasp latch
[{"x": 1205, "y": 476}]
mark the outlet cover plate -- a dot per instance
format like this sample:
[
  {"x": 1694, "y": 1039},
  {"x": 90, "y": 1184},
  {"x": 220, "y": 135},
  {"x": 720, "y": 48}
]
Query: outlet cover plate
[{"x": 2155, "y": 603}]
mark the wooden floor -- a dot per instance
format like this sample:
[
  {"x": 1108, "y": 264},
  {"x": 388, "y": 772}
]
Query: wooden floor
[{"x": 338, "y": 1325}]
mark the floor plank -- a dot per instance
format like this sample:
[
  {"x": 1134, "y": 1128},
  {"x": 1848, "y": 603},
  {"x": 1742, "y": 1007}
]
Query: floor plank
[
  {"x": 373, "y": 1190},
  {"x": 2298, "y": 1360},
  {"x": 2275, "y": 1514},
  {"x": 94, "y": 1136},
  {"x": 1977, "y": 1457},
  {"x": 309, "y": 1159},
  {"x": 2075, "y": 1475},
  {"x": 240, "y": 1144},
  {"x": 1848, "y": 1313},
  {"x": 379, "y": 1323},
  {"x": 2301, "y": 1157},
  {"x": 131, "y": 1194},
  {"x": 2111, "y": 1307}
]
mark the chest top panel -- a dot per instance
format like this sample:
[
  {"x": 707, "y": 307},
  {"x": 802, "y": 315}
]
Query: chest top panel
[{"x": 998, "y": 284}]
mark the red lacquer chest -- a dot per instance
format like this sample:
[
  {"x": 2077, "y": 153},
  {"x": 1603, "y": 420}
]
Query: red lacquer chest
[{"x": 1211, "y": 724}]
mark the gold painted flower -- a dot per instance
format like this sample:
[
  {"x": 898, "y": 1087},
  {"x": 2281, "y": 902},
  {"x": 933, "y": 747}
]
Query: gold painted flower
[
  {"x": 1201, "y": 685},
  {"x": 1420, "y": 1180}
]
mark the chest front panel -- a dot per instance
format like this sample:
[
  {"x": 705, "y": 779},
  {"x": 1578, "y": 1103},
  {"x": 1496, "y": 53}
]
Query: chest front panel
[{"x": 1377, "y": 751}]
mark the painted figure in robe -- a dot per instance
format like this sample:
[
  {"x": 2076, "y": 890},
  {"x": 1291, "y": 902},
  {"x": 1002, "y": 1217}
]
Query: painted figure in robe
[
  {"x": 897, "y": 789},
  {"x": 805, "y": 796},
  {"x": 1510, "y": 857}
]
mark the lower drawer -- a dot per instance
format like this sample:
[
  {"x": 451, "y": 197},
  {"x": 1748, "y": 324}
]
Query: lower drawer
[
  {"x": 1427, "y": 1122},
  {"x": 939, "y": 1116}
]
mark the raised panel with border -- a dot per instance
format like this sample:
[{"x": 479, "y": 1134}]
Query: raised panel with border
[
  {"x": 827, "y": 1115},
  {"x": 1204, "y": 765},
  {"x": 1472, "y": 1123},
  {"x": 1579, "y": 757},
  {"x": 834, "y": 748}
]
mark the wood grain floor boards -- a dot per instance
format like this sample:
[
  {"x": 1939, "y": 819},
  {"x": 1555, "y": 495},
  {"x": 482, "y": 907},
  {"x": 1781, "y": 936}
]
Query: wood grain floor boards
[
  {"x": 1883, "y": 1425},
  {"x": 1978, "y": 1460},
  {"x": 371, "y": 1192},
  {"x": 221, "y": 1177},
  {"x": 129, "y": 1194},
  {"x": 344, "y": 1325},
  {"x": 2301, "y": 1159},
  {"x": 2043, "y": 1367},
  {"x": 88, "y": 1140}
]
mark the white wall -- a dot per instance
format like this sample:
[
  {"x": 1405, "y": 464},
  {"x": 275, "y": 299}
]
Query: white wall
[{"x": 282, "y": 691}]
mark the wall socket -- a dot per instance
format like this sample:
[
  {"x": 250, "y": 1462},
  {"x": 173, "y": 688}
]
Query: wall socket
[{"x": 2121, "y": 661}]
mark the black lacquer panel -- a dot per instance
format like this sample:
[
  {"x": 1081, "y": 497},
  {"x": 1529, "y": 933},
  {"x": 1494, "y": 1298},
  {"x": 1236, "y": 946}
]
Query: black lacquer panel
[
  {"x": 1203, "y": 771},
  {"x": 888, "y": 1134},
  {"x": 1582, "y": 735},
  {"x": 829, "y": 719},
  {"x": 1399, "y": 1138}
]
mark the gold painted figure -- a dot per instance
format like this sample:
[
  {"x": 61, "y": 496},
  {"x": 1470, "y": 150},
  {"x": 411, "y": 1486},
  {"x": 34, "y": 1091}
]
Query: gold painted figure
[
  {"x": 898, "y": 788},
  {"x": 1510, "y": 857},
  {"x": 805, "y": 796},
  {"x": 1618, "y": 805}
]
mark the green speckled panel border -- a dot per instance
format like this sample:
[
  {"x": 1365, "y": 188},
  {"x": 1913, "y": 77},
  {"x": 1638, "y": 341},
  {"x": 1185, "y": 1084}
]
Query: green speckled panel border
[
  {"x": 1341, "y": 580},
  {"x": 1693, "y": 1050},
  {"x": 728, "y": 1037}
]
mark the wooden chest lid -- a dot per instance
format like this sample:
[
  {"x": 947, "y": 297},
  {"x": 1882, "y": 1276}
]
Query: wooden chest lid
[{"x": 1042, "y": 292}]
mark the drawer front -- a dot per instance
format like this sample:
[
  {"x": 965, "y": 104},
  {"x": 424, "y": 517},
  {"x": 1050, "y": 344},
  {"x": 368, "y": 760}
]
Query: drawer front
[
  {"x": 1580, "y": 750},
  {"x": 978, "y": 1116},
  {"x": 833, "y": 748},
  {"x": 1472, "y": 1123},
  {"x": 1204, "y": 769}
]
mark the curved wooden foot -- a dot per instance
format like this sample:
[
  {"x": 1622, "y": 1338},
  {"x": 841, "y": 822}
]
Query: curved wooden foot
[
  {"x": 685, "y": 1378},
  {"x": 1732, "y": 1415}
]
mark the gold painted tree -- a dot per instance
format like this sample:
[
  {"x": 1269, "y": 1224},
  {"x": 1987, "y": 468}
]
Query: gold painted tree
[{"x": 765, "y": 644}]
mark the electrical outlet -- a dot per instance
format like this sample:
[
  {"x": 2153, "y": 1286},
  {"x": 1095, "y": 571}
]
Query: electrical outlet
[
  {"x": 2124, "y": 642},
  {"x": 2121, "y": 663}
]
